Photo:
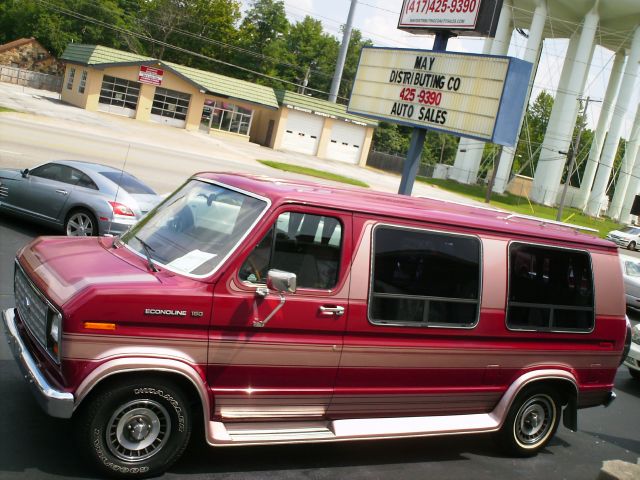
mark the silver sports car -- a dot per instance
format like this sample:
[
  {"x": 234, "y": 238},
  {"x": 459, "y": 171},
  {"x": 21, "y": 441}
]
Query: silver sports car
[{"x": 82, "y": 198}]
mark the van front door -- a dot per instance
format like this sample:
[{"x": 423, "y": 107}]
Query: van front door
[{"x": 285, "y": 369}]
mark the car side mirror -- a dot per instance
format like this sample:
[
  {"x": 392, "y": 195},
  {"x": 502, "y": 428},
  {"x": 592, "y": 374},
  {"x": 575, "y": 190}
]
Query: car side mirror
[
  {"x": 281, "y": 282},
  {"x": 25, "y": 172}
]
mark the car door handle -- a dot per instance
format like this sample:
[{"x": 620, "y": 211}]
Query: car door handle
[
  {"x": 332, "y": 311},
  {"x": 62, "y": 192}
]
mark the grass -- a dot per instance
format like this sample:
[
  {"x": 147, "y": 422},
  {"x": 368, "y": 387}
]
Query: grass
[
  {"x": 312, "y": 172},
  {"x": 5, "y": 109},
  {"x": 516, "y": 204}
]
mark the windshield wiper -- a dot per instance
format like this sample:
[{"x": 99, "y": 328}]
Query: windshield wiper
[{"x": 147, "y": 251}]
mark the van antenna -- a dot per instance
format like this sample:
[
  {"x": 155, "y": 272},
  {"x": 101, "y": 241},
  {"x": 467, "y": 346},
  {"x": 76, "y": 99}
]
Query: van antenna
[{"x": 115, "y": 198}]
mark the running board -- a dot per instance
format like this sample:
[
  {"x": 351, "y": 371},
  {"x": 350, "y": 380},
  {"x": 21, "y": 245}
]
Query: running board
[{"x": 261, "y": 433}]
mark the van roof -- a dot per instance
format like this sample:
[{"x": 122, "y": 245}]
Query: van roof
[{"x": 431, "y": 210}]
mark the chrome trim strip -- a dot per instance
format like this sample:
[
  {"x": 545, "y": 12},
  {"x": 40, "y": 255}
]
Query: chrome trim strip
[
  {"x": 222, "y": 434},
  {"x": 54, "y": 402}
]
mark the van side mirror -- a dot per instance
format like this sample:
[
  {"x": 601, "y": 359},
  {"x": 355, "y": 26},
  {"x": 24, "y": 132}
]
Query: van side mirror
[
  {"x": 280, "y": 281},
  {"x": 25, "y": 172}
]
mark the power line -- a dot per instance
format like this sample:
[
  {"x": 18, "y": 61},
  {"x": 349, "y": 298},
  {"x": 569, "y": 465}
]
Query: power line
[{"x": 168, "y": 45}]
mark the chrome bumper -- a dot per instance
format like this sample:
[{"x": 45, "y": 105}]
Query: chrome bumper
[{"x": 54, "y": 402}]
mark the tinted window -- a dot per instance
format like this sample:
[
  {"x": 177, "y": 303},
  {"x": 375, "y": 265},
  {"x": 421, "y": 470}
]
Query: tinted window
[
  {"x": 424, "y": 278},
  {"x": 86, "y": 182},
  {"x": 54, "y": 171},
  {"x": 304, "y": 244},
  {"x": 128, "y": 182},
  {"x": 549, "y": 289}
]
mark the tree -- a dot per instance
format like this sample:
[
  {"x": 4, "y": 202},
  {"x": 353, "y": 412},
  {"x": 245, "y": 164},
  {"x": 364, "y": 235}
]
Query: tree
[
  {"x": 58, "y": 22},
  {"x": 262, "y": 32}
]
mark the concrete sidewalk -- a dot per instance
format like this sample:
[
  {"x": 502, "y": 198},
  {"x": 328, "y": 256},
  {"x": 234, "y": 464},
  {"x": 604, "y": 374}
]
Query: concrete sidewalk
[{"x": 205, "y": 152}]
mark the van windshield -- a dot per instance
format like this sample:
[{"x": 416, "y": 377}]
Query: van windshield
[{"x": 195, "y": 229}]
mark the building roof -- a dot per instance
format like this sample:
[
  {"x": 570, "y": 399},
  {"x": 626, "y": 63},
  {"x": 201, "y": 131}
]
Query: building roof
[
  {"x": 434, "y": 212},
  {"x": 102, "y": 57},
  {"x": 18, "y": 43},
  {"x": 310, "y": 104}
]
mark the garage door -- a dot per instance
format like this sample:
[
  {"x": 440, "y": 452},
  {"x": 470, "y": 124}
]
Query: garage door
[
  {"x": 346, "y": 142},
  {"x": 119, "y": 96},
  {"x": 170, "y": 107},
  {"x": 302, "y": 132}
]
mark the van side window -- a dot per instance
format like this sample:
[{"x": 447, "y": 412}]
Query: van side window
[
  {"x": 301, "y": 243},
  {"x": 423, "y": 278},
  {"x": 550, "y": 289}
]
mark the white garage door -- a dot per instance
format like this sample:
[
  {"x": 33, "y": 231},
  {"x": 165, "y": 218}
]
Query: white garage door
[
  {"x": 346, "y": 142},
  {"x": 302, "y": 132}
]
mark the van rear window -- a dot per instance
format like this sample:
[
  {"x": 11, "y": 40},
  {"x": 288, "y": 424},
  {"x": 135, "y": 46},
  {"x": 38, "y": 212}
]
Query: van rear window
[
  {"x": 550, "y": 289},
  {"x": 424, "y": 278}
]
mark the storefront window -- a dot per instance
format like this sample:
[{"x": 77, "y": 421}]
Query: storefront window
[{"x": 226, "y": 116}]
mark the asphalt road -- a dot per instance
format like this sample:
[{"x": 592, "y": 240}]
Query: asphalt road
[{"x": 35, "y": 446}]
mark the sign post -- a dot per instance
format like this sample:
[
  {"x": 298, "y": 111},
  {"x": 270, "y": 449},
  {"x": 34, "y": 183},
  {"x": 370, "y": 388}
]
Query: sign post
[{"x": 412, "y": 162}]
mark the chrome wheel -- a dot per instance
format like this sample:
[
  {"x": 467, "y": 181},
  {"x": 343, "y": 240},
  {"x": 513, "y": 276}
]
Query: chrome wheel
[
  {"x": 138, "y": 430},
  {"x": 80, "y": 224},
  {"x": 534, "y": 421}
]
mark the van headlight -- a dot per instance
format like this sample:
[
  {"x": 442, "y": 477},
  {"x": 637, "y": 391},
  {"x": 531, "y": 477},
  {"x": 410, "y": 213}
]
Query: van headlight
[
  {"x": 635, "y": 334},
  {"x": 54, "y": 335}
]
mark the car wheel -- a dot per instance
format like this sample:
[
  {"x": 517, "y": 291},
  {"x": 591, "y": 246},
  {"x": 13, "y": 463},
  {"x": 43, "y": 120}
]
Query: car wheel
[
  {"x": 631, "y": 246},
  {"x": 135, "y": 429},
  {"x": 635, "y": 374},
  {"x": 81, "y": 223},
  {"x": 532, "y": 421}
]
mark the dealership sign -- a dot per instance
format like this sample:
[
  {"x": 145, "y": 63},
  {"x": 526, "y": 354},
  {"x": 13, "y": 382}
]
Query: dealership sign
[
  {"x": 150, "y": 75},
  {"x": 464, "y": 17},
  {"x": 467, "y": 95}
]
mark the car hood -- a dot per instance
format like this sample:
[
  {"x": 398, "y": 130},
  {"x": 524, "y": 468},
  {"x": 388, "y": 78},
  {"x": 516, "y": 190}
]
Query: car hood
[
  {"x": 64, "y": 266},
  {"x": 10, "y": 173},
  {"x": 632, "y": 286}
]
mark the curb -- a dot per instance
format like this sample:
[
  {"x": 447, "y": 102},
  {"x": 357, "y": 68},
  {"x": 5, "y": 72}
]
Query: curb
[{"x": 619, "y": 470}]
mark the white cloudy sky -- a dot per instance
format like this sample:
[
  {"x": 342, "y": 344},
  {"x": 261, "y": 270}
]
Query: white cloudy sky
[{"x": 377, "y": 20}]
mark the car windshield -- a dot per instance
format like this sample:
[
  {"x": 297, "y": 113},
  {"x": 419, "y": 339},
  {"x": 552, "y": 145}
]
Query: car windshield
[
  {"x": 197, "y": 228},
  {"x": 128, "y": 182},
  {"x": 632, "y": 230},
  {"x": 632, "y": 269}
]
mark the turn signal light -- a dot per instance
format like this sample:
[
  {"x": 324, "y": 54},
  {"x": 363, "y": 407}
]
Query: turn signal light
[
  {"x": 99, "y": 326},
  {"x": 120, "y": 209}
]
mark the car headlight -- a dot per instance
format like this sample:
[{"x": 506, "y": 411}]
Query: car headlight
[
  {"x": 635, "y": 334},
  {"x": 55, "y": 334}
]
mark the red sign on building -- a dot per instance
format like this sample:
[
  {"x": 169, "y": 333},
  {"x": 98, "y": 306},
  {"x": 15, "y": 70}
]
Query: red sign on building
[{"x": 150, "y": 75}]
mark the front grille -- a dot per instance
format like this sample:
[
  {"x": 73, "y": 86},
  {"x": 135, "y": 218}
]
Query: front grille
[
  {"x": 4, "y": 190},
  {"x": 32, "y": 308}
]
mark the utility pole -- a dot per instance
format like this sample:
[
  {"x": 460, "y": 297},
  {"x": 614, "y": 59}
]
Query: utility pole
[
  {"x": 305, "y": 82},
  {"x": 572, "y": 162},
  {"x": 344, "y": 47},
  {"x": 492, "y": 180}
]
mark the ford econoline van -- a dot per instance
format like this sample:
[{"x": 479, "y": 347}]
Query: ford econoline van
[{"x": 290, "y": 312}]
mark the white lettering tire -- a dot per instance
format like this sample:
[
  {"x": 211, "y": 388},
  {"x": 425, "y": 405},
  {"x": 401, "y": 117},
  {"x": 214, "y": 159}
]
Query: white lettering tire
[{"x": 135, "y": 429}]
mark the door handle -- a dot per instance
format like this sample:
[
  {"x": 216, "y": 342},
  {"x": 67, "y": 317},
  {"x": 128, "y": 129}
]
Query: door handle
[
  {"x": 62, "y": 192},
  {"x": 332, "y": 311}
]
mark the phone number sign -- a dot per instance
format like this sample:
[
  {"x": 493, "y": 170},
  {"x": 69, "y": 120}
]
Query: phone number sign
[
  {"x": 474, "y": 96},
  {"x": 439, "y": 13},
  {"x": 150, "y": 75}
]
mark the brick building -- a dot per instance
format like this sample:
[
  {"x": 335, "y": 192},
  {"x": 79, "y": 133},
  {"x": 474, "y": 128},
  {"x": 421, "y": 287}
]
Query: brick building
[{"x": 29, "y": 54}]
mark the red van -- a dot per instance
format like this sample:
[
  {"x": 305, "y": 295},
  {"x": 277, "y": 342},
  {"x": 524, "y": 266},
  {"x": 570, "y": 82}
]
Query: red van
[{"x": 295, "y": 312}]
